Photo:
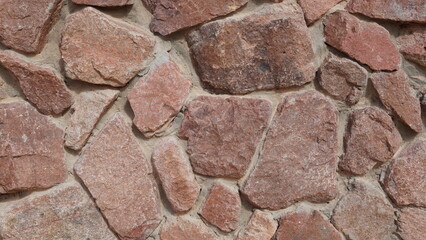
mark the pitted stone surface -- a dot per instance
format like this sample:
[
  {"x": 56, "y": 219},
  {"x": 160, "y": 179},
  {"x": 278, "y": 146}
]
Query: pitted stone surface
[
  {"x": 412, "y": 224},
  {"x": 412, "y": 44},
  {"x": 184, "y": 228},
  {"x": 260, "y": 226},
  {"x": 104, "y": 3},
  {"x": 315, "y": 9}
]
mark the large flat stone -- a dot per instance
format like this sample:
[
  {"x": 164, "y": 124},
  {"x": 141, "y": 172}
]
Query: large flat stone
[
  {"x": 412, "y": 43},
  {"x": 412, "y": 224}
]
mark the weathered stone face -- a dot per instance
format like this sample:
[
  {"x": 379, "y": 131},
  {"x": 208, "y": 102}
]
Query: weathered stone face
[
  {"x": 411, "y": 223},
  {"x": 268, "y": 49},
  {"x": 104, "y": 3},
  {"x": 183, "y": 228},
  {"x": 260, "y": 226},
  {"x": 412, "y": 44},
  {"x": 315, "y": 9}
]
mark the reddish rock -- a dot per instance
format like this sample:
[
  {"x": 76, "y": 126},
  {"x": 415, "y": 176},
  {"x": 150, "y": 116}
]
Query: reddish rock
[
  {"x": 175, "y": 173},
  {"x": 115, "y": 171},
  {"x": 343, "y": 79},
  {"x": 315, "y": 9},
  {"x": 104, "y": 3},
  {"x": 184, "y": 228},
  {"x": 412, "y": 44},
  {"x": 222, "y": 207},
  {"x": 31, "y": 152},
  {"x": 86, "y": 112},
  {"x": 412, "y": 224},
  {"x": 266, "y": 49},
  {"x": 260, "y": 226},
  {"x": 40, "y": 85},
  {"x": 299, "y": 157},
  {"x": 397, "y": 96},
  {"x": 223, "y": 133},
  {"x": 371, "y": 139},
  {"x": 99, "y": 49},
  {"x": 26, "y": 23},
  {"x": 368, "y": 43},
  {"x": 157, "y": 97}
]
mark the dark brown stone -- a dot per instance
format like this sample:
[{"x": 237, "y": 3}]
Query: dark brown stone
[
  {"x": 412, "y": 44},
  {"x": 412, "y": 224},
  {"x": 315, "y": 9}
]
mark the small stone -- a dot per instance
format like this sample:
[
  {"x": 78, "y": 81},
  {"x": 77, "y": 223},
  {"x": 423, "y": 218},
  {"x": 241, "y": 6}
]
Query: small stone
[
  {"x": 307, "y": 226},
  {"x": 299, "y": 157},
  {"x": 41, "y": 86},
  {"x": 397, "y": 96},
  {"x": 26, "y": 23},
  {"x": 315, "y": 9},
  {"x": 266, "y": 49},
  {"x": 31, "y": 151},
  {"x": 104, "y": 3},
  {"x": 412, "y": 224},
  {"x": 223, "y": 133},
  {"x": 343, "y": 79},
  {"x": 222, "y": 207},
  {"x": 86, "y": 112},
  {"x": 99, "y": 49},
  {"x": 175, "y": 173},
  {"x": 170, "y": 16},
  {"x": 184, "y": 228},
  {"x": 371, "y": 139},
  {"x": 157, "y": 97},
  {"x": 412, "y": 44},
  {"x": 114, "y": 169},
  {"x": 368, "y": 43},
  {"x": 261, "y": 226}
]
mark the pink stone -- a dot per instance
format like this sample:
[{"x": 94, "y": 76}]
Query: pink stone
[
  {"x": 412, "y": 224},
  {"x": 315, "y": 9},
  {"x": 104, "y": 3},
  {"x": 260, "y": 226},
  {"x": 412, "y": 44},
  {"x": 184, "y": 228}
]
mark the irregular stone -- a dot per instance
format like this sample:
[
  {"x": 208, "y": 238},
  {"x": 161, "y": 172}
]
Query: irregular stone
[
  {"x": 170, "y": 16},
  {"x": 86, "y": 112},
  {"x": 411, "y": 224},
  {"x": 104, "y": 3},
  {"x": 364, "y": 213},
  {"x": 299, "y": 157},
  {"x": 175, "y": 173},
  {"x": 260, "y": 226},
  {"x": 157, "y": 97},
  {"x": 262, "y": 50},
  {"x": 412, "y": 44},
  {"x": 371, "y": 139},
  {"x": 315, "y": 9},
  {"x": 223, "y": 133},
  {"x": 31, "y": 152},
  {"x": 222, "y": 207},
  {"x": 397, "y": 96},
  {"x": 26, "y": 23},
  {"x": 99, "y": 49},
  {"x": 396, "y": 10},
  {"x": 368, "y": 43},
  {"x": 40, "y": 85},
  {"x": 307, "y": 226},
  {"x": 183, "y": 228},
  {"x": 115, "y": 171},
  {"x": 343, "y": 79}
]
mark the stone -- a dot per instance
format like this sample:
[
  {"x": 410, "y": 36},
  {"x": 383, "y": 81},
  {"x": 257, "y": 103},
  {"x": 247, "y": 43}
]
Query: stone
[
  {"x": 367, "y": 42},
  {"x": 411, "y": 224},
  {"x": 99, "y": 49},
  {"x": 86, "y": 112},
  {"x": 404, "y": 181},
  {"x": 63, "y": 212},
  {"x": 41, "y": 86},
  {"x": 170, "y": 16},
  {"x": 395, "y": 10},
  {"x": 412, "y": 44},
  {"x": 299, "y": 157},
  {"x": 222, "y": 207},
  {"x": 175, "y": 174},
  {"x": 157, "y": 97},
  {"x": 223, "y": 133},
  {"x": 26, "y": 23},
  {"x": 397, "y": 96},
  {"x": 115, "y": 171},
  {"x": 184, "y": 228},
  {"x": 364, "y": 213},
  {"x": 269, "y": 48},
  {"x": 306, "y": 225},
  {"x": 371, "y": 139},
  {"x": 260, "y": 226},
  {"x": 343, "y": 79},
  {"x": 104, "y": 3},
  {"x": 31, "y": 151},
  {"x": 315, "y": 9}
]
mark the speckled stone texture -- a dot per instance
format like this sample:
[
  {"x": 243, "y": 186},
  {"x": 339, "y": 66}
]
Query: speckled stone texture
[
  {"x": 183, "y": 228},
  {"x": 412, "y": 224},
  {"x": 412, "y": 43},
  {"x": 260, "y": 226},
  {"x": 104, "y": 3},
  {"x": 315, "y": 9}
]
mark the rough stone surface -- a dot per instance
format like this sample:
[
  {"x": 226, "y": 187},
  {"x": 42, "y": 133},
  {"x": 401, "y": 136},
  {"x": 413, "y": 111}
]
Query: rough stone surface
[
  {"x": 104, "y": 3},
  {"x": 175, "y": 173},
  {"x": 260, "y": 226},
  {"x": 368, "y": 43},
  {"x": 371, "y": 139},
  {"x": 299, "y": 157},
  {"x": 364, "y": 213},
  {"x": 31, "y": 152},
  {"x": 184, "y": 228},
  {"x": 154, "y": 112},
  {"x": 315, "y": 9},
  {"x": 223, "y": 133},
  {"x": 222, "y": 207},
  {"x": 266, "y": 49},
  {"x": 40, "y": 85},
  {"x": 115, "y": 171},
  {"x": 307, "y": 226},
  {"x": 412, "y": 224},
  {"x": 397, "y": 96},
  {"x": 412, "y": 44},
  {"x": 173, "y": 15},
  {"x": 343, "y": 79},
  {"x": 87, "y": 110},
  {"x": 26, "y": 23},
  {"x": 99, "y": 49}
]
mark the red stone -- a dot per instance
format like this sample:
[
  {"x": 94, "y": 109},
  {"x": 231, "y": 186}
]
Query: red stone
[
  {"x": 260, "y": 226},
  {"x": 412, "y": 224},
  {"x": 412, "y": 44},
  {"x": 104, "y": 3},
  {"x": 184, "y": 228},
  {"x": 315, "y": 9}
]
